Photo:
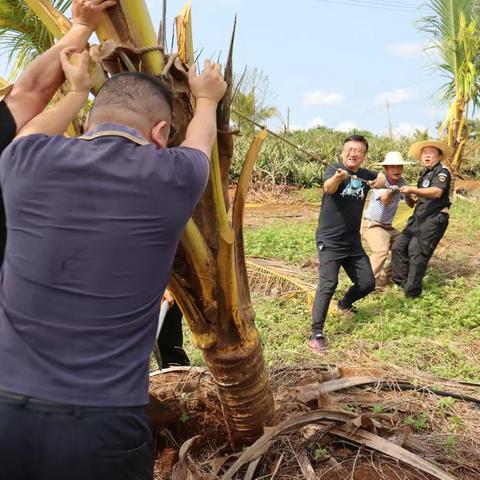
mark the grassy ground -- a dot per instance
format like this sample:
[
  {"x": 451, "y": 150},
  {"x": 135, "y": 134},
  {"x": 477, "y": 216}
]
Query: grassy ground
[{"x": 437, "y": 333}]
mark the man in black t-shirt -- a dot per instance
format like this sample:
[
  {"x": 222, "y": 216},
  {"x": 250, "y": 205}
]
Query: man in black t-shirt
[
  {"x": 414, "y": 247},
  {"x": 36, "y": 86},
  {"x": 345, "y": 187}
]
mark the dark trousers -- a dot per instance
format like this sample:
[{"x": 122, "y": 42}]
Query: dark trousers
[
  {"x": 359, "y": 271},
  {"x": 413, "y": 249},
  {"x": 170, "y": 340},
  {"x": 44, "y": 442}
]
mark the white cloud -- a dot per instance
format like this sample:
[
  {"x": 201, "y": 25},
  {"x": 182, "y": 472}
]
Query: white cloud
[
  {"x": 406, "y": 49},
  {"x": 316, "y": 122},
  {"x": 319, "y": 97},
  {"x": 405, "y": 129},
  {"x": 294, "y": 128},
  {"x": 346, "y": 126},
  {"x": 398, "y": 95}
]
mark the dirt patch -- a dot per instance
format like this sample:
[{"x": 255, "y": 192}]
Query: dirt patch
[
  {"x": 264, "y": 214},
  {"x": 466, "y": 185}
]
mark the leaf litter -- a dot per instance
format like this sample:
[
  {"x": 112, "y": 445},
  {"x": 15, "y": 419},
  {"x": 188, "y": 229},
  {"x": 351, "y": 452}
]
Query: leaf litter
[{"x": 333, "y": 423}]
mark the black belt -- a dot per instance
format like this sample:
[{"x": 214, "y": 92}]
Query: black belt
[{"x": 56, "y": 407}]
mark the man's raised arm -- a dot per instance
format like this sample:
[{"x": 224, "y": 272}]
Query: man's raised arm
[
  {"x": 56, "y": 119},
  {"x": 208, "y": 89},
  {"x": 42, "y": 78}
]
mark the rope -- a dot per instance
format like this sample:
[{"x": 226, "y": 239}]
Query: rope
[
  {"x": 140, "y": 50},
  {"x": 169, "y": 64},
  {"x": 283, "y": 139}
]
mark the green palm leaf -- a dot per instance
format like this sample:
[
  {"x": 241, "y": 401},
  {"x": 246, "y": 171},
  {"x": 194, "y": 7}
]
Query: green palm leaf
[{"x": 22, "y": 34}]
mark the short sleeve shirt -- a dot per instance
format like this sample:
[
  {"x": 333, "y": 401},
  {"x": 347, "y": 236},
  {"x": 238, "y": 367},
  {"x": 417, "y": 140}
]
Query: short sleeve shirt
[
  {"x": 93, "y": 227},
  {"x": 438, "y": 176},
  {"x": 341, "y": 213},
  {"x": 378, "y": 211}
]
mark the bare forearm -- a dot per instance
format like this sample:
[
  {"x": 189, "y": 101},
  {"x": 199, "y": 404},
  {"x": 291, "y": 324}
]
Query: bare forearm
[
  {"x": 379, "y": 182},
  {"x": 42, "y": 78},
  {"x": 202, "y": 130},
  {"x": 429, "y": 192},
  {"x": 387, "y": 196},
  {"x": 56, "y": 119},
  {"x": 331, "y": 185}
]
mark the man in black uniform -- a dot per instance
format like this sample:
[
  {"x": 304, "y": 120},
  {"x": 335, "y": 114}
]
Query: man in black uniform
[
  {"x": 31, "y": 93},
  {"x": 414, "y": 247}
]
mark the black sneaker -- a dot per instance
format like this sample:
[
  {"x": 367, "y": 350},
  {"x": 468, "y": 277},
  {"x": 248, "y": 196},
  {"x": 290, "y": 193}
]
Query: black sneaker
[{"x": 318, "y": 343}]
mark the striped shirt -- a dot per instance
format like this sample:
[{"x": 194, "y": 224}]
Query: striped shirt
[{"x": 379, "y": 212}]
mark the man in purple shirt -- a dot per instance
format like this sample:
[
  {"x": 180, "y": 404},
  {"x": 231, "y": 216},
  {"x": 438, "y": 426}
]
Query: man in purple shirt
[{"x": 93, "y": 226}]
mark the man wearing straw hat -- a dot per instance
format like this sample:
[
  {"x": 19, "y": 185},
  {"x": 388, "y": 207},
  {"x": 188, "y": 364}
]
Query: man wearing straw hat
[
  {"x": 30, "y": 94},
  {"x": 377, "y": 229},
  {"x": 415, "y": 245}
]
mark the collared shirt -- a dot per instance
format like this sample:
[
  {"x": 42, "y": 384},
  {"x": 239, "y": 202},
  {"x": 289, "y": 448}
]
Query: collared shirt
[
  {"x": 377, "y": 210},
  {"x": 437, "y": 176},
  {"x": 93, "y": 227},
  {"x": 341, "y": 213}
]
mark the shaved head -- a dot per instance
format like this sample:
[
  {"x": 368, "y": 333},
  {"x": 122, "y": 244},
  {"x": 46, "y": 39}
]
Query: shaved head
[{"x": 136, "y": 99}]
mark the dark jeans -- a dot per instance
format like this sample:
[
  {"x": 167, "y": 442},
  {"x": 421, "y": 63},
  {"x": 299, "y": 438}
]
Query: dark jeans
[
  {"x": 359, "y": 271},
  {"x": 413, "y": 249},
  {"x": 170, "y": 340},
  {"x": 58, "y": 442}
]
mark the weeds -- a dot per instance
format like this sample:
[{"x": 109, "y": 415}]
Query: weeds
[{"x": 436, "y": 333}]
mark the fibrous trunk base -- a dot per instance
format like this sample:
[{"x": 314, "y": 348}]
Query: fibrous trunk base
[{"x": 244, "y": 391}]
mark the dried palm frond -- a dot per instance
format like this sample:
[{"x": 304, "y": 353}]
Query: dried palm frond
[{"x": 278, "y": 279}]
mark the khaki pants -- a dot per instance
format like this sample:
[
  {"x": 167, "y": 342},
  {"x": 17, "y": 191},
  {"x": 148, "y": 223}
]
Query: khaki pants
[{"x": 379, "y": 238}]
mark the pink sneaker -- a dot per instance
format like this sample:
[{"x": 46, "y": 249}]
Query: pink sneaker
[{"x": 317, "y": 344}]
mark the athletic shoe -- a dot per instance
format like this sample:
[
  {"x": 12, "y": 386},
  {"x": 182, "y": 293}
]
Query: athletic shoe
[{"x": 317, "y": 344}]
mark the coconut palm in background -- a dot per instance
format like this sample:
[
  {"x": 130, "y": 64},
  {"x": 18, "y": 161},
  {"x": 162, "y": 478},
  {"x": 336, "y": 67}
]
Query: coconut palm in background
[
  {"x": 252, "y": 99},
  {"x": 209, "y": 280},
  {"x": 454, "y": 35},
  {"x": 22, "y": 35}
]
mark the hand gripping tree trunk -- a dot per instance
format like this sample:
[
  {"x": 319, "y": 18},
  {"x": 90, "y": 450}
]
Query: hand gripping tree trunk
[{"x": 209, "y": 279}]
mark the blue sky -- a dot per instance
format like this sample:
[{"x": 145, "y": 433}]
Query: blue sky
[{"x": 333, "y": 62}]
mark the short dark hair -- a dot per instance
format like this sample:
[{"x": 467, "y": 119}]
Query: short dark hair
[
  {"x": 138, "y": 92},
  {"x": 357, "y": 138}
]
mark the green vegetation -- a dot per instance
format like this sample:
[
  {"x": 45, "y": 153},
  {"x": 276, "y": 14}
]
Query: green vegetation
[
  {"x": 437, "y": 333},
  {"x": 292, "y": 242},
  {"x": 419, "y": 423},
  {"x": 280, "y": 163}
]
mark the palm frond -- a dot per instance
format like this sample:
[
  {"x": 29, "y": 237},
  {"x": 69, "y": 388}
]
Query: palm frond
[
  {"x": 455, "y": 37},
  {"x": 22, "y": 34}
]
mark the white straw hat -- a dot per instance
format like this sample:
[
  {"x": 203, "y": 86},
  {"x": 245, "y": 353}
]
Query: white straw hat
[
  {"x": 393, "y": 158},
  {"x": 417, "y": 147}
]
